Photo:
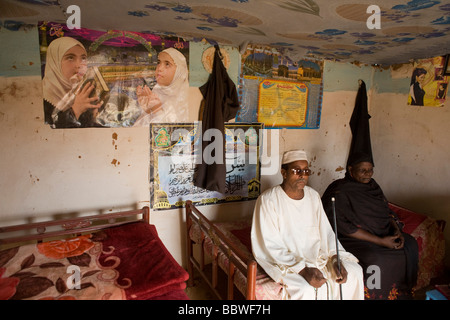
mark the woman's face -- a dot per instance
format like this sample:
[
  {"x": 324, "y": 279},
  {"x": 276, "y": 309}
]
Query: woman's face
[
  {"x": 420, "y": 78},
  {"x": 74, "y": 62},
  {"x": 165, "y": 70},
  {"x": 362, "y": 172}
]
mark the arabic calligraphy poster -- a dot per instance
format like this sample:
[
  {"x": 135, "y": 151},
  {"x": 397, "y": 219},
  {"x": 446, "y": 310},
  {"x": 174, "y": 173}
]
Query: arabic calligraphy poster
[
  {"x": 175, "y": 152},
  {"x": 262, "y": 64},
  {"x": 282, "y": 103}
]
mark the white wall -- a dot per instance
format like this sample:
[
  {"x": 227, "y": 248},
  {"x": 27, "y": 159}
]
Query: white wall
[
  {"x": 48, "y": 173},
  {"x": 411, "y": 153}
]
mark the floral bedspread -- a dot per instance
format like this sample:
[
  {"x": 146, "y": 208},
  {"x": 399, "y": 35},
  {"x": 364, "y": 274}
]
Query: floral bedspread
[
  {"x": 126, "y": 262},
  {"x": 431, "y": 242}
]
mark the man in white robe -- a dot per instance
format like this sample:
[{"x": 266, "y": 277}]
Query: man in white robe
[{"x": 292, "y": 239}]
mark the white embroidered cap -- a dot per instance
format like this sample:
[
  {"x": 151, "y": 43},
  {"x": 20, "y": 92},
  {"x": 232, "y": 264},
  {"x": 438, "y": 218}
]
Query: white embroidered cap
[{"x": 294, "y": 155}]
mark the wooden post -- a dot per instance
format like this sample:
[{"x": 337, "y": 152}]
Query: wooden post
[{"x": 190, "y": 268}]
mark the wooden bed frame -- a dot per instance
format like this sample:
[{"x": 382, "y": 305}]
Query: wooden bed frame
[
  {"x": 237, "y": 259},
  {"x": 35, "y": 259},
  {"x": 70, "y": 227}
]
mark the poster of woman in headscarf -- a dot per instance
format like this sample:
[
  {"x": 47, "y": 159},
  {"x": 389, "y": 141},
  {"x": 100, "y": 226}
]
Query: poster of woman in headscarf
[
  {"x": 428, "y": 86},
  {"x": 112, "y": 79}
]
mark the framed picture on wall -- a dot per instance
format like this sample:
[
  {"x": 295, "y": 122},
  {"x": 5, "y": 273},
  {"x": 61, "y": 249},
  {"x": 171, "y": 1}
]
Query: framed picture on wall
[
  {"x": 174, "y": 153},
  {"x": 447, "y": 65},
  {"x": 121, "y": 66}
]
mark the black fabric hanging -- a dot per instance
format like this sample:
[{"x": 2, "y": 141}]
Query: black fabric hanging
[
  {"x": 220, "y": 104},
  {"x": 361, "y": 147}
]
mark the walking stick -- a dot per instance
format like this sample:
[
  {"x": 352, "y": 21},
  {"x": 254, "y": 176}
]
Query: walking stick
[{"x": 337, "y": 247}]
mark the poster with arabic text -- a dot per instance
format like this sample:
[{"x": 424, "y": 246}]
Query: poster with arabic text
[{"x": 175, "y": 152}]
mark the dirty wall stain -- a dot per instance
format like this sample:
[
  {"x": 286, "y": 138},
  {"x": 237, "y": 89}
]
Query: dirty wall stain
[{"x": 114, "y": 137}]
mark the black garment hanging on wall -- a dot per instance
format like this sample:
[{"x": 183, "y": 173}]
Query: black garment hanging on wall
[
  {"x": 361, "y": 147},
  {"x": 220, "y": 105}
]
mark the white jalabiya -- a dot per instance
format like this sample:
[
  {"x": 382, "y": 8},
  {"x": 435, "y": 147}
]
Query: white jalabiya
[
  {"x": 174, "y": 97},
  {"x": 288, "y": 235}
]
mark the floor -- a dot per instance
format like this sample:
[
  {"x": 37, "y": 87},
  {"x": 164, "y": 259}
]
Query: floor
[
  {"x": 201, "y": 291},
  {"x": 443, "y": 279}
]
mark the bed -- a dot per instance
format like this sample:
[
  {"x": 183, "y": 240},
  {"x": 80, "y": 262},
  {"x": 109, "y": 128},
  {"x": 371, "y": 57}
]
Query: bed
[
  {"x": 112, "y": 256},
  {"x": 225, "y": 248}
]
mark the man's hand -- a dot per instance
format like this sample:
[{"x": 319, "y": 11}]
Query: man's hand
[
  {"x": 313, "y": 276},
  {"x": 341, "y": 277}
]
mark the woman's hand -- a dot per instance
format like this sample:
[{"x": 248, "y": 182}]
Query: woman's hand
[
  {"x": 393, "y": 242},
  {"x": 82, "y": 101},
  {"x": 399, "y": 240},
  {"x": 148, "y": 101}
]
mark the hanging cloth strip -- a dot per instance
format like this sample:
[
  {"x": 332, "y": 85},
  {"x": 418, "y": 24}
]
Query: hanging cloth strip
[{"x": 220, "y": 105}]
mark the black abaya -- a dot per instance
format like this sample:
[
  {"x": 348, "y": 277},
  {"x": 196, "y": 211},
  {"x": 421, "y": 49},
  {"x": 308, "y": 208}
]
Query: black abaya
[
  {"x": 364, "y": 206},
  {"x": 221, "y": 105}
]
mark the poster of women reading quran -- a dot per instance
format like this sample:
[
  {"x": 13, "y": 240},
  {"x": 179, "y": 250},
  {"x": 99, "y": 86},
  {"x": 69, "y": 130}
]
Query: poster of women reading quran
[
  {"x": 175, "y": 152},
  {"x": 111, "y": 78}
]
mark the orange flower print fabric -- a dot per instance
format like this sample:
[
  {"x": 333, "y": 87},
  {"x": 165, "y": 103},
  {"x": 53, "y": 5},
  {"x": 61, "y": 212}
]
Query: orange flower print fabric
[
  {"x": 60, "y": 249},
  {"x": 7, "y": 285}
]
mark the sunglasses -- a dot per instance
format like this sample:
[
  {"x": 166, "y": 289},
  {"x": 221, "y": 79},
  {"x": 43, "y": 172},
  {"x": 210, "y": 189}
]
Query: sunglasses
[{"x": 301, "y": 172}]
